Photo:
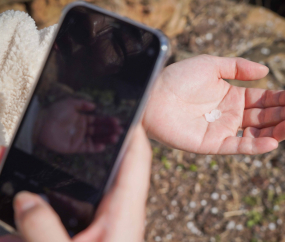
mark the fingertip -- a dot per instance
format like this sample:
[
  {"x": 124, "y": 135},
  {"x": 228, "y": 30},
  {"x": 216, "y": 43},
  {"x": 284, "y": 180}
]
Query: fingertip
[
  {"x": 264, "y": 70},
  {"x": 264, "y": 145}
]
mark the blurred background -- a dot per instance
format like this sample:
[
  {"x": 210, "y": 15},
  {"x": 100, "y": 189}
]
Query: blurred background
[{"x": 197, "y": 197}]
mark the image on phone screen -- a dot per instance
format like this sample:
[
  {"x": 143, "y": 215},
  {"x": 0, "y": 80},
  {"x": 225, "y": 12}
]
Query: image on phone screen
[{"x": 82, "y": 107}]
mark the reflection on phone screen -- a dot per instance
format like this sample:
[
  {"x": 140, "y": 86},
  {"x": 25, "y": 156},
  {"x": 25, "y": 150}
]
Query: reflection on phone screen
[{"x": 80, "y": 112}]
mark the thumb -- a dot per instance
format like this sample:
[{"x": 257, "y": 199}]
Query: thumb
[{"x": 36, "y": 220}]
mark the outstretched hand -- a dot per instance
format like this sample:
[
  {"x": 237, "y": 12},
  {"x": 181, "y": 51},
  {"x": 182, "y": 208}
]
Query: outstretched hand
[{"x": 189, "y": 89}]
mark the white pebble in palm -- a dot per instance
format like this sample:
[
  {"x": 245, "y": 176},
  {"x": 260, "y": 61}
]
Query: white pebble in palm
[{"x": 213, "y": 116}]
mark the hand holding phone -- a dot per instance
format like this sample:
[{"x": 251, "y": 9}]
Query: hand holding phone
[
  {"x": 123, "y": 207},
  {"x": 88, "y": 100}
]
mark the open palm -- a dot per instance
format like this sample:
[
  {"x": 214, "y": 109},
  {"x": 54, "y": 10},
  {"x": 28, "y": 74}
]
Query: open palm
[{"x": 188, "y": 89}]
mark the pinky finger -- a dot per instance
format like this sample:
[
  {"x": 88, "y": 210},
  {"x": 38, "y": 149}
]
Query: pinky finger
[{"x": 247, "y": 145}]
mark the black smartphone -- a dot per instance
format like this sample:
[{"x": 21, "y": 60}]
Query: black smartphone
[{"x": 90, "y": 95}]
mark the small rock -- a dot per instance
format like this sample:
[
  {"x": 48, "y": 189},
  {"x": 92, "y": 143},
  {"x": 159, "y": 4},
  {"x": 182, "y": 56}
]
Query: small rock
[
  {"x": 257, "y": 163},
  {"x": 157, "y": 238},
  {"x": 265, "y": 51},
  {"x": 211, "y": 21},
  {"x": 212, "y": 239},
  {"x": 279, "y": 221},
  {"x": 214, "y": 210},
  {"x": 239, "y": 227},
  {"x": 190, "y": 225},
  {"x": 170, "y": 217},
  {"x": 276, "y": 208},
  {"x": 215, "y": 196},
  {"x": 209, "y": 36},
  {"x": 192, "y": 204},
  {"x": 272, "y": 226},
  {"x": 199, "y": 41},
  {"x": 278, "y": 189},
  {"x": 254, "y": 191},
  {"x": 231, "y": 225},
  {"x": 168, "y": 237},
  {"x": 224, "y": 197},
  {"x": 203, "y": 203},
  {"x": 247, "y": 160},
  {"x": 174, "y": 203}
]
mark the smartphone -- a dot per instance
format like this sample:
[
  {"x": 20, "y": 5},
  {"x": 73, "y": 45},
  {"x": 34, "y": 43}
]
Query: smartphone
[{"x": 89, "y": 97}]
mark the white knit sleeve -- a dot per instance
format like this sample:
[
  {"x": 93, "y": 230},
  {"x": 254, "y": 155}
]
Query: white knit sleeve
[{"x": 22, "y": 49}]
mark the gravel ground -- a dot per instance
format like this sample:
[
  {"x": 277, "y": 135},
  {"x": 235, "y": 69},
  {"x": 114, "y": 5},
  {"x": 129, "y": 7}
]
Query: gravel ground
[{"x": 209, "y": 198}]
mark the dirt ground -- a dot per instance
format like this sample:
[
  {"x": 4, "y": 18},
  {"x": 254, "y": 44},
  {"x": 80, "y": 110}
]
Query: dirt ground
[{"x": 196, "y": 197}]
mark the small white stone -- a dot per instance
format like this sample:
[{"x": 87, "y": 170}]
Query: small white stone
[
  {"x": 169, "y": 237},
  {"x": 213, "y": 115},
  {"x": 192, "y": 204},
  {"x": 214, "y": 210},
  {"x": 239, "y": 227},
  {"x": 203, "y": 203},
  {"x": 215, "y": 196},
  {"x": 153, "y": 199},
  {"x": 170, "y": 217},
  {"x": 272, "y": 226},
  {"x": 231, "y": 225},
  {"x": 247, "y": 160},
  {"x": 279, "y": 221},
  {"x": 276, "y": 208},
  {"x": 254, "y": 191},
  {"x": 257, "y": 163},
  {"x": 190, "y": 225},
  {"x": 278, "y": 190},
  {"x": 209, "y": 36},
  {"x": 265, "y": 51},
  {"x": 224, "y": 197},
  {"x": 210, "y": 118},
  {"x": 212, "y": 239},
  {"x": 216, "y": 113},
  {"x": 199, "y": 41},
  {"x": 211, "y": 21},
  {"x": 157, "y": 238},
  {"x": 174, "y": 203}
]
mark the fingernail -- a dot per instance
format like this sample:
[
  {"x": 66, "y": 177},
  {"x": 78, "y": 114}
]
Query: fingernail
[{"x": 23, "y": 202}]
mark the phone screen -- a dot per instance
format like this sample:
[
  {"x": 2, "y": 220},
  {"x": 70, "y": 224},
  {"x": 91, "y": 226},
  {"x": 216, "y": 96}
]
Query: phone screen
[{"x": 79, "y": 114}]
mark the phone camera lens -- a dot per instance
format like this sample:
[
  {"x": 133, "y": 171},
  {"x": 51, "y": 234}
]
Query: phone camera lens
[{"x": 7, "y": 188}]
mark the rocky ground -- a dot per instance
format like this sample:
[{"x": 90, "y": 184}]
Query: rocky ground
[{"x": 196, "y": 197}]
